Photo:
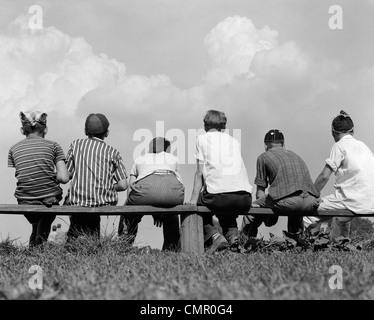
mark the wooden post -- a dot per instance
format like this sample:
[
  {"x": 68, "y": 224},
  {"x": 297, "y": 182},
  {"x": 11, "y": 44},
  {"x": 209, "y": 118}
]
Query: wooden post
[{"x": 192, "y": 233}]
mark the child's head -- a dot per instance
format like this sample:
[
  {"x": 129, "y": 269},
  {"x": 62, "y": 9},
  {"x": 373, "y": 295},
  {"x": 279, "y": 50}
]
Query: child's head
[
  {"x": 96, "y": 126},
  {"x": 342, "y": 125},
  {"x": 33, "y": 123},
  {"x": 273, "y": 138},
  {"x": 159, "y": 144},
  {"x": 215, "y": 120}
]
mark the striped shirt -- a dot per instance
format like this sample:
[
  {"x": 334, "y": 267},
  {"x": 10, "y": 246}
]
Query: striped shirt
[
  {"x": 285, "y": 172},
  {"x": 96, "y": 167},
  {"x": 34, "y": 159}
]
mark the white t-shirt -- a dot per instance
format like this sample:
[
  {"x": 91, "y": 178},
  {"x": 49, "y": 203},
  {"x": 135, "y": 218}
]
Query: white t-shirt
[
  {"x": 353, "y": 164},
  {"x": 224, "y": 169},
  {"x": 150, "y": 163}
]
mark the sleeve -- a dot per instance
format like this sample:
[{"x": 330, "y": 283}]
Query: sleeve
[
  {"x": 59, "y": 154},
  {"x": 261, "y": 179},
  {"x": 10, "y": 159},
  {"x": 176, "y": 164},
  {"x": 70, "y": 164},
  {"x": 133, "y": 171},
  {"x": 336, "y": 158},
  {"x": 119, "y": 168},
  {"x": 199, "y": 150}
]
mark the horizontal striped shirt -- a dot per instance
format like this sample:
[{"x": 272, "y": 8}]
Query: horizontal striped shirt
[
  {"x": 96, "y": 168},
  {"x": 34, "y": 159},
  {"x": 285, "y": 172}
]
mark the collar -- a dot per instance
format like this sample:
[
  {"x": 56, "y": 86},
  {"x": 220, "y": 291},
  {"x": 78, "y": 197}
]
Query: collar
[
  {"x": 347, "y": 136},
  {"x": 96, "y": 139}
]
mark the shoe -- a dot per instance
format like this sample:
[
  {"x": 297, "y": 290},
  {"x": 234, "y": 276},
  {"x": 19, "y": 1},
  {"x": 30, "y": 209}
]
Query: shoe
[
  {"x": 271, "y": 221},
  {"x": 219, "y": 243},
  {"x": 234, "y": 243}
]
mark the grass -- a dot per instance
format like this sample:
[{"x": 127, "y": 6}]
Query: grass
[{"x": 111, "y": 269}]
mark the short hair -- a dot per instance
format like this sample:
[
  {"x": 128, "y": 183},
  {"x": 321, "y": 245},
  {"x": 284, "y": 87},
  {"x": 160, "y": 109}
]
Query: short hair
[
  {"x": 158, "y": 145},
  {"x": 215, "y": 120},
  {"x": 37, "y": 128},
  {"x": 342, "y": 123}
]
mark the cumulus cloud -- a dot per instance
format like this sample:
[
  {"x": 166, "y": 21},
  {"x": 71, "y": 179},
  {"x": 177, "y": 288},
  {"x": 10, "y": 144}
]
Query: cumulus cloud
[
  {"x": 49, "y": 69},
  {"x": 55, "y": 72},
  {"x": 232, "y": 46}
]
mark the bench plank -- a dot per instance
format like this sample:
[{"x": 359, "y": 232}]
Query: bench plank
[
  {"x": 105, "y": 211},
  {"x": 149, "y": 210},
  {"x": 318, "y": 213}
]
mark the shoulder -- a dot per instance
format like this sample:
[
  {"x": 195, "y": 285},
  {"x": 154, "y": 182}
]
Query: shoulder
[
  {"x": 170, "y": 156},
  {"x": 262, "y": 156},
  {"x": 142, "y": 158},
  {"x": 52, "y": 143},
  {"x": 202, "y": 137},
  {"x": 77, "y": 141},
  {"x": 294, "y": 154},
  {"x": 112, "y": 152},
  {"x": 17, "y": 144}
]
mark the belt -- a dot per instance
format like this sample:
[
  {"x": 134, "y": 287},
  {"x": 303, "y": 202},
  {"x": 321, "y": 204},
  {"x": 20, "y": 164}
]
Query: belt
[{"x": 163, "y": 172}]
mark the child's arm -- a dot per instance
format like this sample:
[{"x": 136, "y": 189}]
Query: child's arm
[
  {"x": 132, "y": 181},
  {"x": 62, "y": 172},
  {"x": 198, "y": 183},
  {"x": 121, "y": 185}
]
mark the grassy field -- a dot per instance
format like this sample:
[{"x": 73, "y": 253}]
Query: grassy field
[{"x": 110, "y": 269}]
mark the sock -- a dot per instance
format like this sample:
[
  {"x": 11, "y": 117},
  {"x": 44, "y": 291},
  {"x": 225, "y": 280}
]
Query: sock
[{"x": 215, "y": 236}]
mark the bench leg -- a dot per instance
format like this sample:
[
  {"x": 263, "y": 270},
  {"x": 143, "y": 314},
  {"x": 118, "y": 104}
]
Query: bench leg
[{"x": 192, "y": 233}]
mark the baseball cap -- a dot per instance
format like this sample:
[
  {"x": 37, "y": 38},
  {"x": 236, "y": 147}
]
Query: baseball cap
[
  {"x": 96, "y": 123},
  {"x": 274, "y": 135},
  {"x": 33, "y": 117}
]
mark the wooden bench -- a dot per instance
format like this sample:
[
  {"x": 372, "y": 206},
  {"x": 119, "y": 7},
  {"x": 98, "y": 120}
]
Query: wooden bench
[{"x": 191, "y": 217}]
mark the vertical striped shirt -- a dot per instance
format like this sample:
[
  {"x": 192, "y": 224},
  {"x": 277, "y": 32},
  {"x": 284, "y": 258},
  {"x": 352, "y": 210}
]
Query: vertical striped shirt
[
  {"x": 34, "y": 159},
  {"x": 96, "y": 167}
]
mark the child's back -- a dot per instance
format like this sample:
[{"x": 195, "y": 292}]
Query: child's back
[
  {"x": 95, "y": 168},
  {"x": 40, "y": 167},
  {"x": 97, "y": 173},
  {"x": 34, "y": 160}
]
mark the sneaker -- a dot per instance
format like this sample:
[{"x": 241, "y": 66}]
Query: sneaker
[
  {"x": 234, "y": 243},
  {"x": 219, "y": 243}
]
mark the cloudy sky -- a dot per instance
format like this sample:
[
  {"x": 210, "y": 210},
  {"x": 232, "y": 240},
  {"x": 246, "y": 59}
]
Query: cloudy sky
[{"x": 157, "y": 67}]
